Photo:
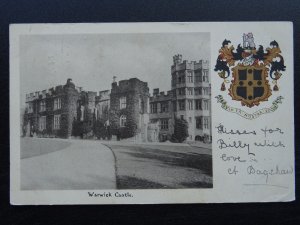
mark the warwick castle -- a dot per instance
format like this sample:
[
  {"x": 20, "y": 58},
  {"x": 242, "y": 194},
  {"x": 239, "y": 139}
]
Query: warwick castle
[{"x": 127, "y": 110}]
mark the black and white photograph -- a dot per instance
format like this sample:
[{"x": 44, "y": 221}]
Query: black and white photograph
[{"x": 109, "y": 111}]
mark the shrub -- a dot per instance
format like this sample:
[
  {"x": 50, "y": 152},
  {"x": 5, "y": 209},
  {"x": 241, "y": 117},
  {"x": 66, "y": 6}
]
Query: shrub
[{"x": 180, "y": 131}]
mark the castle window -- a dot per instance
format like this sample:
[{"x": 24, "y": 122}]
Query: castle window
[
  {"x": 141, "y": 105},
  {"x": 96, "y": 113},
  {"x": 198, "y": 104},
  {"x": 190, "y": 91},
  {"x": 206, "y": 91},
  {"x": 206, "y": 123},
  {"x": 198, "y": 138},
  {"x": 205, "y": 104},
  {"x": 198, "y": 91},
  {"x": 190, "y": 102},
  {"x": 42, "y": 123},
  {"x": 181, "y": 77},
  {"x": 181, "y": 105},
  {"x": 199, "y": 122},
  {"x": 57, "y": 103},
  {"x": 174, "y": 93},
  {"x": 81, "y": 113},
  {"x": 153, "y": 107},
  {"x": 190, "y": 77},
  {"x": 198, "y": 77},
  {"x": 164, "y": 124},
  {"x": 42, "y": 106},
  {"x": 164, "y": 107},
  {"x": 56, "y": 122},
  {"x": 173, "y": 80},
  {"x": 181, "y": 91},
  {"x": 123, "y": 102},
  {"x": 30, "y": 107},
  {"x": 205, "y": 75},
  {"x": 122, "y": 121}
]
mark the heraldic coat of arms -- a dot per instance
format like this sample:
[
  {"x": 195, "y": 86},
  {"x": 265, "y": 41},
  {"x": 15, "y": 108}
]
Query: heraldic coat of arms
[{"x": 250, "y": 69}]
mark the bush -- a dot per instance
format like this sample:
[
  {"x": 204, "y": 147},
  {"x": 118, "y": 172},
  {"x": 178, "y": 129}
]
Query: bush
[
  {"x": 99, "y": 129},
  {"x": 77, "y": 129},
  {"x": 206, "y": 138},
  {"x": 180, "y": 131},
  {"x": 126, "y": 132}
]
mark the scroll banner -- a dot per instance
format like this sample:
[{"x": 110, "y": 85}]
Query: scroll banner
[{"x": 249, "y": 116}]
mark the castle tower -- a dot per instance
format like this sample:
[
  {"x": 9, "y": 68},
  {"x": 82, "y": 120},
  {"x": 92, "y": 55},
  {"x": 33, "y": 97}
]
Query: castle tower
[
  {"x": 191, "y": 95},
  {"x": 70, "y": 108},
  {"x": 177, "y": 59},
  {"x": 129, "y": 108}
]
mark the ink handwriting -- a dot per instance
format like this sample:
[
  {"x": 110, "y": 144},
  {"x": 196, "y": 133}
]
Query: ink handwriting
[
  {"x": 222, "y": 130},
  {"x": 234, "y": 144},
  {"x": 226, "y": 158},
  {"x": 266, "y": 143},
  {"x": 271, "y": 131},
  {"x": 267, "y": 172}
]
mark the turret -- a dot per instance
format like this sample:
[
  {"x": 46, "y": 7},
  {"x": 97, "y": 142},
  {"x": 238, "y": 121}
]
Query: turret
[{"x": 177, "y": 59}]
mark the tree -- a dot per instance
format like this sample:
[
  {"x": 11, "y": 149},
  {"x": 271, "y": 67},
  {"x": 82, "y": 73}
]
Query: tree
[{"x": 180, "y": 130}]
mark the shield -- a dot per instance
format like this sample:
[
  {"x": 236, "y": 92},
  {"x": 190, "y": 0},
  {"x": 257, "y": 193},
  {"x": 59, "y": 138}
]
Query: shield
[{"x": 250, "y": 84}]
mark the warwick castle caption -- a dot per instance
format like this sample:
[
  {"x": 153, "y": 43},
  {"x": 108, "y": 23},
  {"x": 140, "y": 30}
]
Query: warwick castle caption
[{"x": 127, "y": 110}]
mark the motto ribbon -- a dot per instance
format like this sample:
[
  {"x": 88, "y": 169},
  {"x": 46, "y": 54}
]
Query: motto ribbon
[{"x": 248, "y": 116}]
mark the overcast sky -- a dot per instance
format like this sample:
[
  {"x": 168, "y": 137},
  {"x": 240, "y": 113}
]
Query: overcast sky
[{"x": 92, "y": 60}]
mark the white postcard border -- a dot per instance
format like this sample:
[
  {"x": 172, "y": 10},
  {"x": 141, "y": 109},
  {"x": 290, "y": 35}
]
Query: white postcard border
[{"x": 224, "y": 189}]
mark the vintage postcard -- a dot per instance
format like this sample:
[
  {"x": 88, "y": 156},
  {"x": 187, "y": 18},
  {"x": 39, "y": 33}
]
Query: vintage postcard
[{"x": 148, "y": 113}]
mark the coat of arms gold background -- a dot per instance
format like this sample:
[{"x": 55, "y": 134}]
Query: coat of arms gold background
[{"x": 250, "y": 69}]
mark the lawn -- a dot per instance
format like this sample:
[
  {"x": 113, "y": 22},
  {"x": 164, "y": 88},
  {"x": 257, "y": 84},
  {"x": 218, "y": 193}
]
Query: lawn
[{"x": 162, "y": 166}]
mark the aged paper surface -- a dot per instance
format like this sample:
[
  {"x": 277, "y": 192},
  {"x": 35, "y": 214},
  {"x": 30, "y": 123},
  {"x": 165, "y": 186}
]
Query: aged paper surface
[{"x": 143, "y": 113}]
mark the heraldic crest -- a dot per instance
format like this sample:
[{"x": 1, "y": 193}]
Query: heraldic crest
[{"x": 250, "y": 69}]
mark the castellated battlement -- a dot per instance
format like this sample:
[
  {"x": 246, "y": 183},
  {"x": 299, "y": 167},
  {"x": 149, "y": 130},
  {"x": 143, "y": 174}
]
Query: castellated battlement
[
  {"x": 160, "y": 96},
  {"x": 130, "y": 85},
  {"x": 91, "y": 96},
  {"x": 205, "y": 64},
  {"x": 51, "y": 92},
  {"x": 61, "y": 89},
  {"x": 179, "y": 64},
  {"x": 103, "y": 96}
]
